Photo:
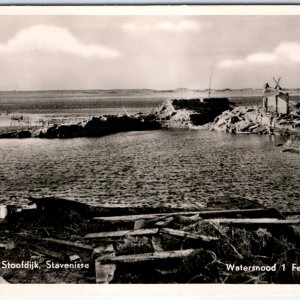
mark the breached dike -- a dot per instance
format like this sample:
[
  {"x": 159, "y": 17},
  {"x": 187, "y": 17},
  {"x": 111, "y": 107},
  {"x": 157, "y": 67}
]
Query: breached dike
[
  {"x": 208, "y": 113},
  {"x": 189, "y": 113},
  {"x": 254, "y": 119},
  {"x": 176, "y": 113},
  {"x": 99, "y": 126}
]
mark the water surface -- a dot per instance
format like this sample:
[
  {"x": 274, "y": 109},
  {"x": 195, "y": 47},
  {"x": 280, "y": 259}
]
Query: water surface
[{"x": 179, "y": 168}]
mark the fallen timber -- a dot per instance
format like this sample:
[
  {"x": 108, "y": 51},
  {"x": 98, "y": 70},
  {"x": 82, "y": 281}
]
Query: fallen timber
[
  {"x": 118, "y": 234},
  {"x": 68, "y": 233},
  {"x": 260, "y": 222},
  {"x": 147, "y": 257},
  {"x": 204, "y": 214}
]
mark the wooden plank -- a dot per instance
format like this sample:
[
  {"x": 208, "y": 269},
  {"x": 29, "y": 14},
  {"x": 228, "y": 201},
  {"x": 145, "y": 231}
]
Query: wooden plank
[
  {"x": 204, "y": 214},
  {"x": 148, "y": 257},
  {"x": 67, "y": 243},
  {"x": 191, "y": 236},
  {"x": 260, "y": 221},
  {"x": 121, "y": 233}
]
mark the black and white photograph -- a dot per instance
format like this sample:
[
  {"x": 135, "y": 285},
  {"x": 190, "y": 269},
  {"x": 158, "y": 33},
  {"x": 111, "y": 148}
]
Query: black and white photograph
[{"x": 149, "y": 147}]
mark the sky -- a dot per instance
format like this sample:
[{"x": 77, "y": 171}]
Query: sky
[{"x": 155, "y": 52}]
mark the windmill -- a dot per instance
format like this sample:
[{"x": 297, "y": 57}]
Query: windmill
[{"x": 277, "y": 85}]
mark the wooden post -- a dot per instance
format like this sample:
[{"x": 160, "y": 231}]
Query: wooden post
[
  {"x": 276, "y": 103},
  {"x": 265, "y": 103},
  {"x": 287, "y": 103}
]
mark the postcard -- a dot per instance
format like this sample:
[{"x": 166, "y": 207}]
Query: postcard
[{"x": 149, "y": 145}]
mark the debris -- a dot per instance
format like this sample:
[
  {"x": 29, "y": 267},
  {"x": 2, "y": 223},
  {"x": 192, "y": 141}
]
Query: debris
[
  {"x": 260, "y": 221},
  {"x": 256, "y": 212},
  {"x": 53, "y": 254},
  {"x": 121, "y": 233},
  {"x": 115, "y": 255},
  {"x": 187, "y": 235},
  {"x": 76, "y": 245},
  {"x": 147, "y": 257}
]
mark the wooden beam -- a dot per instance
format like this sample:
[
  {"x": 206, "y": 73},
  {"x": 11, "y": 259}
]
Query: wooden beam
[
  {"x": 121, "y": 233},
  {"x": 147, "y": 257},
  {"x": 260, "y": 221},
  {"x": 67, "y": 243},
  {"x": 204, "y": 214},
  {"x": 191, "y": 236}
]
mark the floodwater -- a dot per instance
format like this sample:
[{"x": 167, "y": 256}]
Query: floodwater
[{"x": 177, "y": 168}]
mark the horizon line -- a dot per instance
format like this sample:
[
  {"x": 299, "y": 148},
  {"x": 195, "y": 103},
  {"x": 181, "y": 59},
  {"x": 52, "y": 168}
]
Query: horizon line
[{"x": 151, "y": 89}]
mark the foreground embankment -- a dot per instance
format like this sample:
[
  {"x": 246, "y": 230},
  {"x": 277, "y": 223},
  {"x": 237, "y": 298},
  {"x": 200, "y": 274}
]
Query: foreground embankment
[{"x": 63, "y": 241}]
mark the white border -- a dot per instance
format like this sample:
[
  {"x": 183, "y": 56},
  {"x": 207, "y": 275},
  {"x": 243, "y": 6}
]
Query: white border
[{"x": 149, "y": 290}]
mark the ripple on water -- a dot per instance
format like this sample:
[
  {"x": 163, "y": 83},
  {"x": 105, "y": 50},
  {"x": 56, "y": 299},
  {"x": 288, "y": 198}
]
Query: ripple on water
[{"x": 177, "y": 168}]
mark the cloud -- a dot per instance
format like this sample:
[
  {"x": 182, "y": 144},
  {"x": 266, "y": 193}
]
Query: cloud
[
  {"x": 53, "y": 39},
  {"x": 167, "y": 26},
  {"x": 284, "y": 52}
]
